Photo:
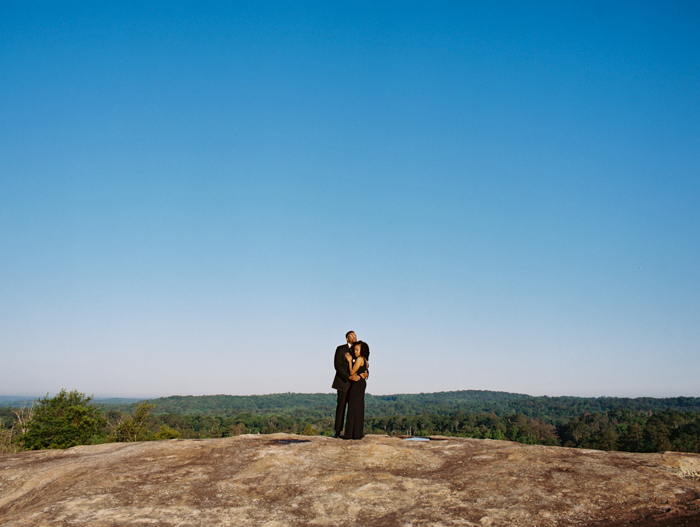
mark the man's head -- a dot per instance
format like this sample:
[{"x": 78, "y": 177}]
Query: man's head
[{"x": 351, "y": 337}]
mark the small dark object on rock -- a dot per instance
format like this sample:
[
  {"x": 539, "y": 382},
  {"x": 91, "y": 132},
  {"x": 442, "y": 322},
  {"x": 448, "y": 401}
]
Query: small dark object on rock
[{"x": 286, "y": 441}]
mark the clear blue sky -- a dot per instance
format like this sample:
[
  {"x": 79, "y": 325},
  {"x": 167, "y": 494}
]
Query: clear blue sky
[{"x": 203, "y": 197}]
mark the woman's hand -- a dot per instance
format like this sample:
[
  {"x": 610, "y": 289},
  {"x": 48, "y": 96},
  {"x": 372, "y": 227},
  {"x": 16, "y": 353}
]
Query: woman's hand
[
  {"x": 358, "y": 364},
  {"x": 348, "y": 357}
]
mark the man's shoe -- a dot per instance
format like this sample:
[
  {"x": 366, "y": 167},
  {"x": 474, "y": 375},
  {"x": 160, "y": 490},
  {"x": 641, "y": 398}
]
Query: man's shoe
[{"x": 336, "y": 435}]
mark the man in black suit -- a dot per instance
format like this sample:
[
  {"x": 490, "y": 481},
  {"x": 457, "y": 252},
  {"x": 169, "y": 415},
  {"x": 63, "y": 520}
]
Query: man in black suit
[{"x": 342, "y": 379}]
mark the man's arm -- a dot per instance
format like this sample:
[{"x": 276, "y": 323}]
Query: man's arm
[{"x": 341, "y": 364}]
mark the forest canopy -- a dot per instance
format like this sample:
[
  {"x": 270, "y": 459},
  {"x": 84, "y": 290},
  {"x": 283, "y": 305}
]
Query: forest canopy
[
  {"x": 605, "y": 423},
  {"x": 549, "y": 409}
]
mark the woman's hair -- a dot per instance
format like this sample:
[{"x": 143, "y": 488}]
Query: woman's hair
[{"x": 364, "y": 349}]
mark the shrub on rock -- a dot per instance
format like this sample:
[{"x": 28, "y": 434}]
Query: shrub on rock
[
  {"x": 63, "y": 421},
  {"x": 166, "y": 432}
]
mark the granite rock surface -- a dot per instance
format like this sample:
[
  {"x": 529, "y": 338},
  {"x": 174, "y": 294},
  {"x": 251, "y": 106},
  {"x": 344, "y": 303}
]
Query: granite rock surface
[{"x": 287, "y": 480}]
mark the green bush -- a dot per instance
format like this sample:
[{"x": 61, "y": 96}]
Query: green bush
[
  {"x": 63, "y": 421},
  {"x": 310, "y": 430},
  {"x": 166, "y": 432}
]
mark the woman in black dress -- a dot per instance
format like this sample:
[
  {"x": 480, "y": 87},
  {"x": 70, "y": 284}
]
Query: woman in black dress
[{"x": 355, "y": 422}]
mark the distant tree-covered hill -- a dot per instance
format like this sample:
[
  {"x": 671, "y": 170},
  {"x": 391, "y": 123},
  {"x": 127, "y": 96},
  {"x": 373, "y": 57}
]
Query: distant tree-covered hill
[
  {"x": 16, "y": 401},
  {"x": 552, "y": 410},
  {"x": 19, "y": 401}
]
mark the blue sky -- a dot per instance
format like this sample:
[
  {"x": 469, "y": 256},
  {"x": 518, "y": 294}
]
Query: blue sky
[{"x": 202, "y": 198}]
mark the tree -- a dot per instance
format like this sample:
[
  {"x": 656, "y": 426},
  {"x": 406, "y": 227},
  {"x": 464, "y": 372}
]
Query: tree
[
  {"x": 24, "y": 416},
  {"x": 236, "y": 430},
  {"x": 63, "y": 421},
  {"x": 656, "y": 435},
  {"x": 134, "y": 428},
  {"x": 166, "y": 432}
]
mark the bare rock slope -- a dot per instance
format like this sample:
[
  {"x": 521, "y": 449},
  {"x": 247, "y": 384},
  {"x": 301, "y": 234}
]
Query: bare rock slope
[{"x": 286, "y": 480}]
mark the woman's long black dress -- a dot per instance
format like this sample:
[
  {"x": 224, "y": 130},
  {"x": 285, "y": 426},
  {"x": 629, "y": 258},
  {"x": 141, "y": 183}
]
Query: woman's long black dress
[{"x": 355, "y": 422}]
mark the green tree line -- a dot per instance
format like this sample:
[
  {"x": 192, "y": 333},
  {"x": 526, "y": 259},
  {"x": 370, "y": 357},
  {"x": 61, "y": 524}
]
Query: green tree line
[
  {"x": 71, "y": 418},
  {"x": 553, "y": 410}
]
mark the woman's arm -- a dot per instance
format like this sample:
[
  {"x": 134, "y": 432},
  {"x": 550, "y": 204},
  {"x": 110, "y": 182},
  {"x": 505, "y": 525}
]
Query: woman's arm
[{"x": 359, "y": 362}]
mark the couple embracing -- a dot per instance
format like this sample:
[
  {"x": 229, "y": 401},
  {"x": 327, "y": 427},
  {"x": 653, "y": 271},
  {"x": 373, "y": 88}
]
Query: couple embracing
[{"x": 351, "y": 364}]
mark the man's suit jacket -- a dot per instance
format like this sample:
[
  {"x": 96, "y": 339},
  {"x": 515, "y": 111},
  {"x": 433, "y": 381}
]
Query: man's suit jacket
[{"x": 341, "y": 382}]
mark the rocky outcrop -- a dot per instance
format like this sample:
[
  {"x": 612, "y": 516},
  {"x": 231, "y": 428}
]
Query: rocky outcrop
[{"x": 287, "y": 480}]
